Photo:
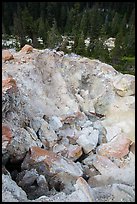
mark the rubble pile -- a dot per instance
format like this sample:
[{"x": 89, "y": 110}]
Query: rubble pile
[{"x": 68, "y": 129}]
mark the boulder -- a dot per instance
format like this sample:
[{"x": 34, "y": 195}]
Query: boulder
[
  {"x": 6, "y": 55},
  {"x": 54, "y": 162},
  {"x": 124, "y": 85},
  {"x": 27, "y": 49}
]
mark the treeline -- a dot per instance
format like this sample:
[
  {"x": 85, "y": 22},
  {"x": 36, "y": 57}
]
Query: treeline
[{"x": 80, "y": 20}]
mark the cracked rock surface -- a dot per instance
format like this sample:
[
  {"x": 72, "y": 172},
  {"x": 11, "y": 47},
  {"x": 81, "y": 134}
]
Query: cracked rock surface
[{"x": 68, "y": 129}]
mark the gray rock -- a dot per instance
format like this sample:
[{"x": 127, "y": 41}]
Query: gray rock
[
  {"x": 11, "y": 192},
  {"x": 55, "y": 123}
]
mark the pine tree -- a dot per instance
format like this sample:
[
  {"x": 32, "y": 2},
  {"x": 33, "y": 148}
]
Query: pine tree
[
  {"x": 80, "y": 48},
  {"x": 54, "y": 38},
  {"x": 19, "y": 29},
  {"x": 115, "y": 25},
  {"x": 100, "y": 51}
]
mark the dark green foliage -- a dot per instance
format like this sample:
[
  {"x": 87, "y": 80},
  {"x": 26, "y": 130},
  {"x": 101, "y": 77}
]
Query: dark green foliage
[{"x": 54, "y": 38}]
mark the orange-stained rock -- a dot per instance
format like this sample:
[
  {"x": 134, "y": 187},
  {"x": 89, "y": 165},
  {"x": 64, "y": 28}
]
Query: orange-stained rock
[
  {"x": 117, "y": 147},
  {"x": 37, "y": 154},
  {"x": 6, "y": 136},
  {"x": 55, "y": 163},
  {"x": 6, "y": 55},
  {"x": 27, "y": 48},
  {"x": 9, "y": 83}
]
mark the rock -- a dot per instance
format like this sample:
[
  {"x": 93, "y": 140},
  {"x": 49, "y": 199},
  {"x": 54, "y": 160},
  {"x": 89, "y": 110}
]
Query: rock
[
  {"x": 26, "y": 178},
  {"x": 118, "y": 147},
  {"x": 83, "y": 91},
  {"x": 55, "y": 123},
  {"x": 123, "y": 193},
  {"x": 102, "y": 131},
  {"x": 112, "y": 131},
  {"x": 88, "y": 139},
  {"x": 74, "y": 152},
  {"x": 32, "y": 183},
  {"x": 111, "y": 172},
  {"x": 88, "y": 123},
  {"x": 47, "y": 134},
  {"x": 85, "y": 192},
  {"x": 104, "y": 165},
  {"x": 60, "y": 149},
  {"x": 9, "y": 85},
  {"x": 125, "y": 85},
  {"x": 6, "y": 136},
  {"x": 27, "y": 49},
  {"x": 114, "y": 193},
  {"x": 6, "y": 55},
  {"x": 121, "y": 114},
  {"x": 54, "y": 162},
  {"x": 11, "y": 191},
  {"x": 20, "y": 144},
  {"x": 9, "y": 92},
  {"x": 69, "y": 133},
  {"x": 132, "y": 147}
]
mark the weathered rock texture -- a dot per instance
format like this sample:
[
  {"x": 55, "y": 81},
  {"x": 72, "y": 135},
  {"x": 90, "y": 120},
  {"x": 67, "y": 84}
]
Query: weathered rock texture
[{"x": 68, "y": 129}]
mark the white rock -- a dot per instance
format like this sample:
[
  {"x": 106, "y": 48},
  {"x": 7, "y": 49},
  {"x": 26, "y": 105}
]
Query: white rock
[
  {"x": 112, "y": 131},
  {"x": 88, "y": 139},
  {"x": 125, "y": 85}
]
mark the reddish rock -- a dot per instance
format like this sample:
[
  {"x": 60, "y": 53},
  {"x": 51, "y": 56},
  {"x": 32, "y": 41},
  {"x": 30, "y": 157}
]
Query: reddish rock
[
  {"x": 27, "y": 48},
  {"x": 9, "y": 84},
  {"x": 54, "y": 162},
  {"x": 6, "y": 136},
  {"x": 6, "y": 55},
  {"x": 117, "y": 147}
]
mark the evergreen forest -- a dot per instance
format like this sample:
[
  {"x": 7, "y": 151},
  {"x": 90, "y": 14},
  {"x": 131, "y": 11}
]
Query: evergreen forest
[{"x": 95, "y": 21}]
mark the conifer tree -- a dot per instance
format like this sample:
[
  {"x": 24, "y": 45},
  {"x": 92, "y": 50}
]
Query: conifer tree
[{"x": 54, "y": 38}]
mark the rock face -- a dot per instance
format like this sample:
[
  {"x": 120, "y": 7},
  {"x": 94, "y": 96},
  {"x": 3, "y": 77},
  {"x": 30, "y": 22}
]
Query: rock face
[{"x": 68, "y": 129}]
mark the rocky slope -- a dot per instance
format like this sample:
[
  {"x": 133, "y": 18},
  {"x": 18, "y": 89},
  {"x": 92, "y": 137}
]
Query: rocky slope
[{"x": 68, "y": 129}]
